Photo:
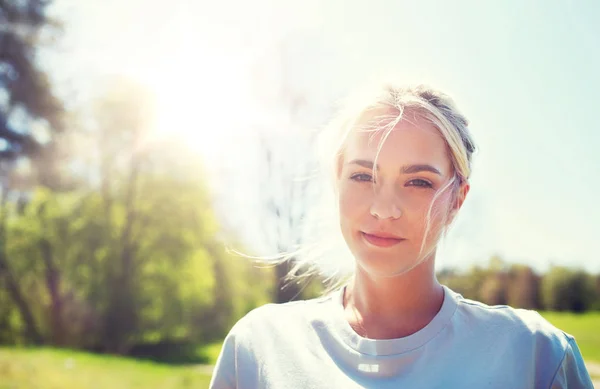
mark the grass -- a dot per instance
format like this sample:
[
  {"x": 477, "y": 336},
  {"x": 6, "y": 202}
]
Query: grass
[
  {"x": 53, "y": 369},
  {"x": 584, "y": 327},
  {"x": 210, "y": 352}
]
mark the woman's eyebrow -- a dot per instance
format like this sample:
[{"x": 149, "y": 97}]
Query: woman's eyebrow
[
  {"x": 407, "y": 169},
  {"x": 362, "y": 162}
]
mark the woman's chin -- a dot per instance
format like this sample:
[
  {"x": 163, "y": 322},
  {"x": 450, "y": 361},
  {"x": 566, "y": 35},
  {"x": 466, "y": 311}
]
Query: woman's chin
[{"x": 385, "y": 267}]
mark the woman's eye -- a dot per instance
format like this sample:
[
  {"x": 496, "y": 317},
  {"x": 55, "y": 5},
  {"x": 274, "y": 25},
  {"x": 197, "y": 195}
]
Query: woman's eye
[
  {"x": 361, "y": 177},
  {"x": 420, "y": 183}
]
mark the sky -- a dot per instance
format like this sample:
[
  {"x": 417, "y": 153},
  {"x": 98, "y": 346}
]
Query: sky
[{"x": 523, "y": 73}]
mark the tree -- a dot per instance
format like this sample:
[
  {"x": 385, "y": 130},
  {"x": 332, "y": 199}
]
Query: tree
[
  {"x": 470, "y": 283},
  {"x": 565, "y": 289},
  {"x": 289, "y": 163},
  {"x": 132, "y": 257},
  {"x": 9, "y": 281},
  {"x": 26, "y": 103},
  {"x": 286, "y": 200},
  {"x": 167, "y": 276},
  {"x": 124, "y": 119},
  {"x": 29, "y": 102},
  {"x": 524, "y": 285},
  {"x": 596, "y": 305},
  {"x": 494, "y": 289}
]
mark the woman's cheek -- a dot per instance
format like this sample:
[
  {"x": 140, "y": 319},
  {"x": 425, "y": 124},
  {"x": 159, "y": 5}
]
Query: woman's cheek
[
  {"x": 353, "y": 201},
  {"x": 436, "y": 217}
]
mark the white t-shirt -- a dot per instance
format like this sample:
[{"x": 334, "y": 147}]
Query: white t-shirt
[{"x": 309, "y": 344}]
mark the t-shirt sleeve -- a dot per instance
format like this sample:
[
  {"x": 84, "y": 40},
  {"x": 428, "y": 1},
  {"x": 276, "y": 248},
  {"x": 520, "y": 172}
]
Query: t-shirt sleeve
[
  {"x": 224, "y": 373},
  {"x": 572, "y": 372},
  {"x": 237, "y": 363}
]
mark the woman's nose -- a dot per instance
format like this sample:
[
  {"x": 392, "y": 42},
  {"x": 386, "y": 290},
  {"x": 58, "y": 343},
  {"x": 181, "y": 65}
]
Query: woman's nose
[{"x": 385, "y": 204}]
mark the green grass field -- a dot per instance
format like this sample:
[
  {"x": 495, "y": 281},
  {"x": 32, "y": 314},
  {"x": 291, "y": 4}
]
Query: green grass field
[
  {"x": 54, "y": 369},
  {"x": 585, "y": 328}
]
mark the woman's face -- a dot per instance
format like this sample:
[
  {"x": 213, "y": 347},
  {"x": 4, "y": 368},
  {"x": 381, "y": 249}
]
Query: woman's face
[{"x": 383, "y": 216}]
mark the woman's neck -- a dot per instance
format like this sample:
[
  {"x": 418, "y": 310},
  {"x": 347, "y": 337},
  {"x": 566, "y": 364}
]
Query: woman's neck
[{"x": 387, "y": 308}]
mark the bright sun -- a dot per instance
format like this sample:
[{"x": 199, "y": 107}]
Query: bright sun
[
  {"x": 196, "y": 102},
  {"x": 203, "y": 95}
]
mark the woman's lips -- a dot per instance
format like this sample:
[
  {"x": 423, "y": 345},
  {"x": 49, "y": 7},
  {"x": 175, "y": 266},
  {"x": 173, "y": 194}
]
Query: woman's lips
[{"x": 381, "y": 241}]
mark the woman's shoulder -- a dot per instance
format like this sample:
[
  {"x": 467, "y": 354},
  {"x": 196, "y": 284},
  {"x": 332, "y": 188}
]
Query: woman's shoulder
[
  {"x": 514, "y": 333},
  {"x": 521, "y": 325}
]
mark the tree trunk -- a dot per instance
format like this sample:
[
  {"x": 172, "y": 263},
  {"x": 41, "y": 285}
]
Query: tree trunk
[
  {"x": 8, "y": 279},
  {"x": 56, "y": 300},
  {"x": 14, "y": 291},
  {"x": 122, "y": 316}
]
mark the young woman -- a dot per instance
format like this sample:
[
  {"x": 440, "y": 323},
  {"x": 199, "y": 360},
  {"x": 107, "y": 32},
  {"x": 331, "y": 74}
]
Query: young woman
[{"x": 402, "y": 168}]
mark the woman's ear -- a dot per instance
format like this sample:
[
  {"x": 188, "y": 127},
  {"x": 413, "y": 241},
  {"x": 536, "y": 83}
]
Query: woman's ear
[
  {"x": 460, "y": 199},
  {"x": 462, "y": 194}
]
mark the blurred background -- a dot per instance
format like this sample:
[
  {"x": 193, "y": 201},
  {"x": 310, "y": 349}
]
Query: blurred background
[{"x": 143, "y": 142}]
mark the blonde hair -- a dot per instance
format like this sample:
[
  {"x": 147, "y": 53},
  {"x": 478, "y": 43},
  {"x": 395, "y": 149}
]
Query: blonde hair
[{"x": 426, "y": 102}]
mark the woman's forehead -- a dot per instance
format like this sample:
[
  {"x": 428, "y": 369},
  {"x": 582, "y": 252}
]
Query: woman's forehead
[{"x": 412, "y": 140}]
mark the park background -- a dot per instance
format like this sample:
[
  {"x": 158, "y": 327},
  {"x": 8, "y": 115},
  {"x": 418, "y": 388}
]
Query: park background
[{"x": 143, "y": 144}]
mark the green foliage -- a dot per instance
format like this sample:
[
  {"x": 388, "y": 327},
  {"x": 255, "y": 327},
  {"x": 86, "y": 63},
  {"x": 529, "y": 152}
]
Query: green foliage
[
  {"x": 565, "y": 289},
  {"x": 10, "y": 320},
  {"x": 524, "y": 288},
  {"x": 211, "y": 351},
  {"x": 133, "y": 260},
  {"x": 487, "y": 284},
  {"x": 560, "y": 289},
  {"x": 596, "y": 304},
  {"x": 28, "y": 100},
  {"x": 184, "y": 279}
]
